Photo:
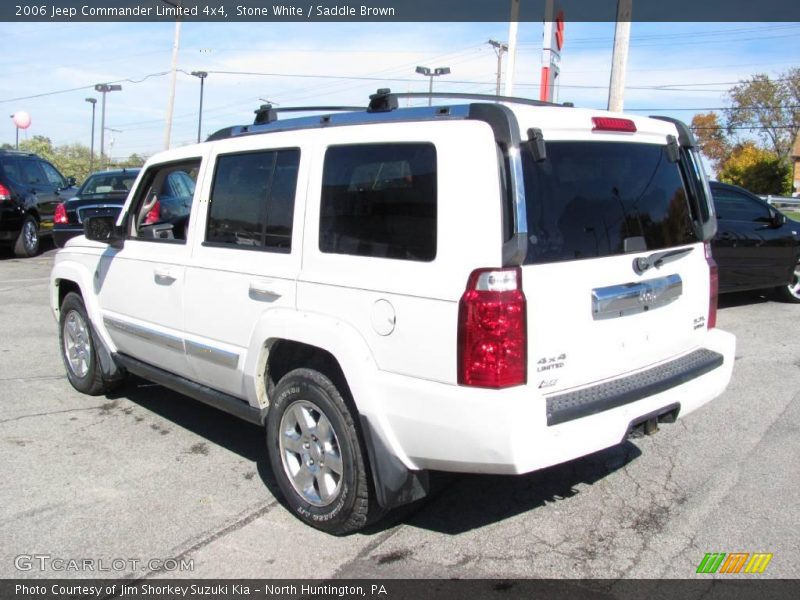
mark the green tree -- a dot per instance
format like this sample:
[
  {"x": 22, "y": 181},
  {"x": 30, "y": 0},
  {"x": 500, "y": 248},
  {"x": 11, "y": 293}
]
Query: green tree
[
  {"x": 756, "y": 169},
  {"x": 770, "y": 108},
  {"x": 40, "y": 145}
]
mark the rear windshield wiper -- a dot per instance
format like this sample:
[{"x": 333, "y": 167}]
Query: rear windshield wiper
[{"x": 658, "y": 259}]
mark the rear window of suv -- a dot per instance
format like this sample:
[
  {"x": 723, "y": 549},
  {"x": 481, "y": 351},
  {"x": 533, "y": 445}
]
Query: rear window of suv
[{"x": 595, "y": 199}]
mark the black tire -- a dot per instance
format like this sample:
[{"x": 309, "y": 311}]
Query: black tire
[
  {"x": 337, "y": 503},
  {"x": 791, "y": 293},
  {"x": 78, "y": 348},
  {"x": 28, "y": 242}
]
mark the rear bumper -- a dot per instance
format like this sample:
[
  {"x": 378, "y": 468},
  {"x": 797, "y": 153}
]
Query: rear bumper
[{"x": 452, "y": 428}]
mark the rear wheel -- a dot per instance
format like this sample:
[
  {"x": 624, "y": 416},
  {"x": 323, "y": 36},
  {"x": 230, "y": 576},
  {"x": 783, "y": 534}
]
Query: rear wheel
[
  {"x": 791, "y": 292},
  {"x": 78, "y": 349},
  {"x": 27, "y": 243},
  {"x": 316, "y": 455}
]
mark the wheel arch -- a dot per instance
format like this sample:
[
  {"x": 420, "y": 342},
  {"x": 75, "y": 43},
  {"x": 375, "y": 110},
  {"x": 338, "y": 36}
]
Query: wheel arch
[{"x": 337, "y": 350}]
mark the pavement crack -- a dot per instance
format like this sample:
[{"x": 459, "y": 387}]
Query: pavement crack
[
  {"x": 212, "y": 537},
  {"x": 34, "y": 378},
  {"x": 47, "y": 414}
]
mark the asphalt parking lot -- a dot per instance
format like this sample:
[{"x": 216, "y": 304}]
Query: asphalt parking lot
[{"x": 147, "y": 475}]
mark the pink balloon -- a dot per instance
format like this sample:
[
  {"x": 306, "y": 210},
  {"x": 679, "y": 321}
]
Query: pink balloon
[{"x": 22, "y": 119}]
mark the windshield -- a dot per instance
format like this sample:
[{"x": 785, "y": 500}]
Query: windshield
[
  {"x": 108, "y": 183},
  {"x": 593, "y": 199}
]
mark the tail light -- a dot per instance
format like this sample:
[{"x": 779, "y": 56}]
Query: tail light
[
  {"x": 713, "y": 288},
  {"x": 60, "y": 218},
  {"x": 492, "y": 330},
  {"x": 5, "y": 193}
]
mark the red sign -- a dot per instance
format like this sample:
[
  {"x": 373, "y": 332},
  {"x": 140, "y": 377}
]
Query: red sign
[{"x": 560, "y": 30}]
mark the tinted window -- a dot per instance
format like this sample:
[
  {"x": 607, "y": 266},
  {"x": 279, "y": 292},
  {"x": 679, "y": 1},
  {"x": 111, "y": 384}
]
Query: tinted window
[
  {"x": 592, "y": 199},
  {"x": 379, "y": 200},
  {"x": 11, "y": 169},
  {"x": 732, "y": 206},
  {"x": 252, "y": 199},
  {"x": 53, "y": 176},
  {"x": 31, "y": 172}
]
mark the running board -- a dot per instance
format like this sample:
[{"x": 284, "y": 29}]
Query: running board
[{"x": 206, "y": 395}]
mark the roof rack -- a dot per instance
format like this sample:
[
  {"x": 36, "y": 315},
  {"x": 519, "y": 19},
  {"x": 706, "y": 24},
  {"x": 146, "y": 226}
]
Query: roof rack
[
  {"x": 267, "y": 113},
  {"x": 383, "y": 107},
  {"x": 380, "y": 102}
]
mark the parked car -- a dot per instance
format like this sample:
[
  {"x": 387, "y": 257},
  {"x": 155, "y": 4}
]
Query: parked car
[
  {"x": 485, "y": 287},
  {"x": 756, "y": 246},
  {"x": 103, "y": 192},
  {"x": 30, "y": 190}
]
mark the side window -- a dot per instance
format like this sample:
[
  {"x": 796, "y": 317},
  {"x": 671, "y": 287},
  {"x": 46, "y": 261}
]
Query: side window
[
  {"x": 10, "y": 167},
  {"x": 161, "y": 209},
  {"x": 53, "y": 176},
  {"x": 252, "y": 200},
  {"x": 379, "y": 200},
  {"x": 732, "y": 206},
  {"x": 31, "y": 172}
]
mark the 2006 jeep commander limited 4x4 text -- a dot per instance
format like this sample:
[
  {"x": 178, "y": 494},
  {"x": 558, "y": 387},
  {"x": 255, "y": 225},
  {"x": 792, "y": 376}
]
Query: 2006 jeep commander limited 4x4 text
[{"x": 485, "y": 287}]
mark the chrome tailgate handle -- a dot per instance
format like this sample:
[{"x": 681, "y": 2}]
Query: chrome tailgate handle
[{"x": 631, "y": 298}]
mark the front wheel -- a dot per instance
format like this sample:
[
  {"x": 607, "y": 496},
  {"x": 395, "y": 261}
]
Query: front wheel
[
  {"x": 791, "y": 292},
  {"x": 78, "y": 348},
  {"x": 316, "y": 455}
]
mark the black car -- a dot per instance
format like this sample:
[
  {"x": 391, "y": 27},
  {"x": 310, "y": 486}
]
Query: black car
[
  {"x": 103, "y": 191},
  {"x": 756, "y": 246},
  {"x": 30, "y": 190}
]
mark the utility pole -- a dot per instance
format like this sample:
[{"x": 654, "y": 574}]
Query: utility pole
[
  {"x": 619, "y": 60},
  {"x": 499, "y": 48},
  {"x": 173, "y": 73},
  {"x": 513, "y": 26}
]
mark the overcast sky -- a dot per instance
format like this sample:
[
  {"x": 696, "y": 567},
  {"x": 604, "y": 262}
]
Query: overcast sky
[{"x": 692, "y": 65}]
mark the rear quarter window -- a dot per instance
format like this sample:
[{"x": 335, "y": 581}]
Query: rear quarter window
[
  {"x": 379, "y": 200},
  {"x": 595, "y": 199}
]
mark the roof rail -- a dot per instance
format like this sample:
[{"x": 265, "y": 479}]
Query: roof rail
[
  {"x": 463, "y": 96},
  {"x": 267, "y": 113}
]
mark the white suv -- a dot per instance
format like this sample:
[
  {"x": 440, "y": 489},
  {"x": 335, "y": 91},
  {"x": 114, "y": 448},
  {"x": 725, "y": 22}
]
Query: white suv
[{"x": 485, "y": 286}]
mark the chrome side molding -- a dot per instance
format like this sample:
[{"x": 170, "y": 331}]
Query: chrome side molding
[
  {"x": 632, "y": 298},
  {"x": 211, "y": 354}
]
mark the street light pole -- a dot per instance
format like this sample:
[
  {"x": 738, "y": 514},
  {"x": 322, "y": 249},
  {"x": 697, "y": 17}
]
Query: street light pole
[
  {"x": 431, "y": 73},
  {"x": 104, "y": 88},
  {"x": 202, "y": 75},
  {"x": 93, "y": 102}
]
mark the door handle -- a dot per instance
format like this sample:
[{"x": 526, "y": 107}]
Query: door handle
[
  {"x": 264, "y": 290},
  {"x": 164, "y": 276}
]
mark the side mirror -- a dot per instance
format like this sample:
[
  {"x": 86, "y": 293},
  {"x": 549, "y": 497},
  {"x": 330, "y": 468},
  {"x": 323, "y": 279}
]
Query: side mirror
[
  {"x": 71, "y": 182},
  {"x": 103, "y": 228},
  {"x": 778, "y": 219}
]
